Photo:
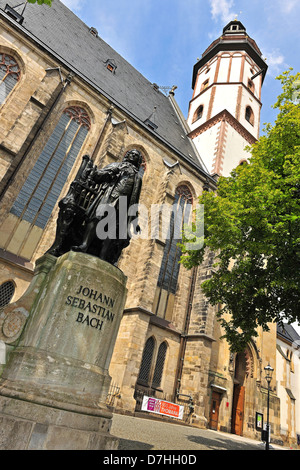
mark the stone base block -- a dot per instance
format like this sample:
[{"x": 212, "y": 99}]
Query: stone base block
[
  {"x": 29, "y": 426},
  {"x": 199, "y": 421}
]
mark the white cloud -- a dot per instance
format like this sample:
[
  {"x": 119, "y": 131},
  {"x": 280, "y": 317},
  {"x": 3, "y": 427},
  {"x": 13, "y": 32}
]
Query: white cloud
[
  {"x": 275, "y": 61},
  {"x": 74, "y": 5},
  {"x": 221, "y": 9},
  {"x": 288, "y": 5}
]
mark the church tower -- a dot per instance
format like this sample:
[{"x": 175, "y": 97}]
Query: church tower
[{"x": 224, "y": 112}]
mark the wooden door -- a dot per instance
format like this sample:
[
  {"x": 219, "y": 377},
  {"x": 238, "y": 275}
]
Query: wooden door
[
  {"x": 238, "y": 410},
  {"x": 214, "y": 410}
]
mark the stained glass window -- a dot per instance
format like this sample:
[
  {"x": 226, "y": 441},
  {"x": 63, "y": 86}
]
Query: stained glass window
[
  {"x": 44, "y": 184},
  {"x": 143, "y": 167},
  {"x": 9, "y": 75},
  {"x": 169, "y": 270}
]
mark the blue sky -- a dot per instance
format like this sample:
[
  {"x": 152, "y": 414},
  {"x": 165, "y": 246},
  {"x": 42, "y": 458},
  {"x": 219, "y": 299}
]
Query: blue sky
[{"x": 163, "y": 38}]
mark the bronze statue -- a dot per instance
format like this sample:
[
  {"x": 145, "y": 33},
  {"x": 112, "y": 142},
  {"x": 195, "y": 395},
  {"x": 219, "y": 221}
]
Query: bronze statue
[{"x": 116, "y": 187}]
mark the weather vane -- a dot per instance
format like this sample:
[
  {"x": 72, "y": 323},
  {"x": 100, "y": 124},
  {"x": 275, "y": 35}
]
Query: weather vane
[
  {"x": 167, "y": 89},
  {"x": 236, "y": 16}
]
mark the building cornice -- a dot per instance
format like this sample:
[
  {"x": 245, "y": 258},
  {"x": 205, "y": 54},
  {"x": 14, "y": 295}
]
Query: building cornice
[
  {"x": 231, "y": 44},
  {"x": 15, "y": 260},
  {"x": 226, "y": 83},
  {"x": 232, "y": 121}
]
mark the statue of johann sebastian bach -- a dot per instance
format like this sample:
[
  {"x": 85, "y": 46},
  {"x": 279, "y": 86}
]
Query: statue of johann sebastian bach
[{"x": 118, "y": 187}]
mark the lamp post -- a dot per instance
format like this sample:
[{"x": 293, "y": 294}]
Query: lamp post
[{"x": 269, "y": 372}]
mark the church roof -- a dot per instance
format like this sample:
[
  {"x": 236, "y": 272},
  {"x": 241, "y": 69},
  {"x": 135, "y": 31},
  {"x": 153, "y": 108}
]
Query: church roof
[
  {"x": 287, "y": 332},
  {"x": 62, "y": 34}
]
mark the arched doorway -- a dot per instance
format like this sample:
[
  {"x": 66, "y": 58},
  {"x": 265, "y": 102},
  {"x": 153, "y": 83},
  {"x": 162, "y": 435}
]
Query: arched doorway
[{"x": 238, "y": 402}]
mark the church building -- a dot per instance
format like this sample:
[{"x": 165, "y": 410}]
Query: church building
[{"x": 65, "y": 93}]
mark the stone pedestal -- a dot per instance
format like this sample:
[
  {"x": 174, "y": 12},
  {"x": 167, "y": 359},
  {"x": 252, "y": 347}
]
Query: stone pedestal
[{"x": 56, "y": 381}]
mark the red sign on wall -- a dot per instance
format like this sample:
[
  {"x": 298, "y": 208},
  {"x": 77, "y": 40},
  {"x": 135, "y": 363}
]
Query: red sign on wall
[{"x": 153, "y": 405}]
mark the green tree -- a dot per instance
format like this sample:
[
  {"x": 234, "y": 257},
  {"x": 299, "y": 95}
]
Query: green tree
[
  {"x": 41, "y": 2},
  {"x": 252, "y": 224}
]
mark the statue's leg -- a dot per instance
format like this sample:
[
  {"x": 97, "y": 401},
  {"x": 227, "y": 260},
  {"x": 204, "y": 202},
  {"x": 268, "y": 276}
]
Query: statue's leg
[
  {"x": 57, "y": 247},
  {"x": 105, "y": 249},
  {"x": 89, "y": 236}
]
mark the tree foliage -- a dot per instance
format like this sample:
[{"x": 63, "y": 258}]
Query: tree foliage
[
  {"x": 41, "y": 2},
  {"x": 252, "y": 224}
]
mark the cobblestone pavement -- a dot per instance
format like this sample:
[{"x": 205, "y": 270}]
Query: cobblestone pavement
[{"x": 151, "y": 435}]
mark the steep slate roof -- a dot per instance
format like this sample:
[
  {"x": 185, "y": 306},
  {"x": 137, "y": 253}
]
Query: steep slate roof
[
  {"x": 59, "y": 31},
  {"x": 288, "y": 332}
]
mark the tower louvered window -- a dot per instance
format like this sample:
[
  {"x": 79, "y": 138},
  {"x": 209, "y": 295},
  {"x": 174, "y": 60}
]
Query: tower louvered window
[
  {"x": 249, "y": 115},
  {"x": 198, "y": 113},
  {"x": 44, "y": 184},
  {"x": 9, "y": 75}
]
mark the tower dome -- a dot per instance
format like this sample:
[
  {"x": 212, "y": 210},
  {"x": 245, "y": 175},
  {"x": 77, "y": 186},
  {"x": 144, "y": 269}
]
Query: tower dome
[{"x": 234, "y": 27}]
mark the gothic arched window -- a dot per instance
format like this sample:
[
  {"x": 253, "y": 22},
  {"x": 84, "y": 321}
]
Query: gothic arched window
[
  {"x": 249, "y": 115},
  {"x": 147, "y": 376},
  {"x": 198, "y": 113},
  {"x": 159, "y": 366},
  {"x": 9, "y": 75},
  {"x": 205, "y": 84},
  {"x": 144, "y": 375},
  {"x": 43, "y": 186},
  {"x": 143, "y": 167},
  {"x": 169, "y": 270},
  {"x": 251, "y": 85},
  {"x": 7, "y": 290}
]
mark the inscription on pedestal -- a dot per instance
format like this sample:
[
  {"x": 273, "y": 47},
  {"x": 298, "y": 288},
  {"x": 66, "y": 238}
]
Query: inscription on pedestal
[{"x": 94, "y": 307}]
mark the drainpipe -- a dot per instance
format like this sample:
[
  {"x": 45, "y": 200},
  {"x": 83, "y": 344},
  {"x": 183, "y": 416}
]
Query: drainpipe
[{"x": 40, "y": 128}]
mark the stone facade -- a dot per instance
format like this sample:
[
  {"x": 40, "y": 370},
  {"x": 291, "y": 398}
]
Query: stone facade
[
  {"x": 288, "y": 363},
  {"x": 196, "y": 363}
]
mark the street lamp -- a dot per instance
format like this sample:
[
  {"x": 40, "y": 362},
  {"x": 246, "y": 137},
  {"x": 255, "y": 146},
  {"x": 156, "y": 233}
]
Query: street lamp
[{"x": 269, "y": 372}]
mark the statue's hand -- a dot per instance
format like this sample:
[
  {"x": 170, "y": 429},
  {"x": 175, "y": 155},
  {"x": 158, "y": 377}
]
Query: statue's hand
[{"x": 106, "y": 176}]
